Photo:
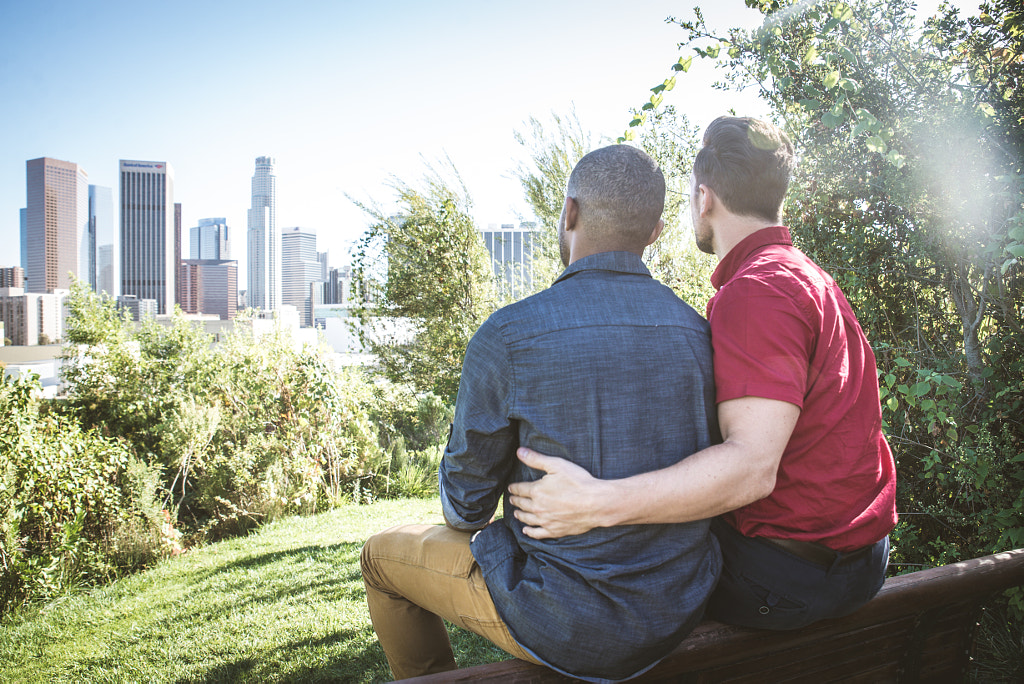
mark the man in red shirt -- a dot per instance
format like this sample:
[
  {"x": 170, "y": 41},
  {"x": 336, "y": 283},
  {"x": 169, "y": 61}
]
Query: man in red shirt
[{"x": 803, "y": 484}]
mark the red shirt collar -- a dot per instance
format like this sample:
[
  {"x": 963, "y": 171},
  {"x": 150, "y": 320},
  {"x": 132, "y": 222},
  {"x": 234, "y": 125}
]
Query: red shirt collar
[{"x": 737, "y": 256}]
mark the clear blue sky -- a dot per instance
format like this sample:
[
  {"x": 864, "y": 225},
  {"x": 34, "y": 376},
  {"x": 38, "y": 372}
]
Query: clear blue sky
[{"x": 343, "y": 94}]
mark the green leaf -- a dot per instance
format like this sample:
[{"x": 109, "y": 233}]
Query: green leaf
[
  {"x": 683, "y": 64},
  {"x": 1017, "y": 233},
  {"x": 849, "y": 85},
  {"x": 847, "y": 54},
  {"x": 658, "y": 88},
  {"x": 896, "y": 159},
  {"x": 810, "y": 55},
  {"x": 1016, "y": 250},
  {"x": 811, "y": 105},
  {"x": 875, "y": 144},
  {"x": 669, "y": 83},
  {"x": 832, "y": 23},
  {"x": 902, "y": 362},
  {"x": 862, "y": 126},
  {"x": 920, "y": 389},
  {"x": 832, "y": 120},
  {"x": 831, "y": 80},
  {"x": 987, "y": 109},
  {"x": 811, "y": 91},
  {"x": 712, "y": 51},
  {"x": 842, "y": 12}
]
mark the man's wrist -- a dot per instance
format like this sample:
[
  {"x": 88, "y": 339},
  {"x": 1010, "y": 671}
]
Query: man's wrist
[{"x": 611, "y": 505}]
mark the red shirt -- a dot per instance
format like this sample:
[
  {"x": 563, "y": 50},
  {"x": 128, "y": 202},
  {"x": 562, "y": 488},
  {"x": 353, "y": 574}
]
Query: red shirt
[{"x": 782, "y": 329}]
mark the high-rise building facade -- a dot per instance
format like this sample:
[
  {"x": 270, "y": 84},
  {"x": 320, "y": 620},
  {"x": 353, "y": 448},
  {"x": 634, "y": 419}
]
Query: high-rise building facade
[
  {"x": 264, "y": 242},
  {"x": 56, "y": 224},
  {"x": 12, "y": 276},
  {"x": 337, "y": 286},
  {"x": 148, "y": 257},
  {"x": 209, "y": 240},
  {"x": 300, "y": 267},
  {"x": 31, "y": 318},
  {"x": 23, "y": 216},
  {"x": 511, "y": 251},
  {"x": 209, "y": 286},
  {"x": 103, "y": 270}
]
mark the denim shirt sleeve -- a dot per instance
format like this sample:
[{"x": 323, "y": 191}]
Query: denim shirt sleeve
[{"x": 480, "y": 455}]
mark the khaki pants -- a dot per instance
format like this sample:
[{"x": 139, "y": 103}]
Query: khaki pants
[{"x": 415, "y": 575}]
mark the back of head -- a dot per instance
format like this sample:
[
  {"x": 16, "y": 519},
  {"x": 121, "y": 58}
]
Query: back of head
[
  {"x": 620, "y": 192},
  {"x": 748, "y": 164}
]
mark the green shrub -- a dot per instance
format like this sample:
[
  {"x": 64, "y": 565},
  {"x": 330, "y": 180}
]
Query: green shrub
[{"x": 75, "y": 507}]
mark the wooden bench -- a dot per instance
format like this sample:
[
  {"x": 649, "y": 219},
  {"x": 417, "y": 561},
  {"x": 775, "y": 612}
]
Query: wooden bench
[{"x": 919, "y": 628}]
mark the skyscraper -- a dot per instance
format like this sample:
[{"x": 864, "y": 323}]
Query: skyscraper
[
  {"x": 264, "y": 253},
  {"x": 56, "y": 224},
  {"x": 511, "y": 251},
  {"x": 209, "y": 240},
  {"x": 300, "y": 267},
  {"x": 209, "y": 286},
  {"x": 147, "y": 241},
  {"x": 23, "y": 215},
  {"x": 103, "y": 274}
]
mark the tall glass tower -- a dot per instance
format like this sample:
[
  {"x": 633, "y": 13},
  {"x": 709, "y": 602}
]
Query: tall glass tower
[
  {"x": 209, "y": 240},
  {"x": 148, "y": 257},
  {"x": 300, "y": 268},
  {"x": 56, "y": 224},
  {"x": 264, "y": 242},
  {"x": 103, "y": 270}
]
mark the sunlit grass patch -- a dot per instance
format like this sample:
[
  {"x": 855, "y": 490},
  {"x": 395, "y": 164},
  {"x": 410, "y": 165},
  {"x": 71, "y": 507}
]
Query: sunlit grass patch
[{"x": 284, "y": 604}]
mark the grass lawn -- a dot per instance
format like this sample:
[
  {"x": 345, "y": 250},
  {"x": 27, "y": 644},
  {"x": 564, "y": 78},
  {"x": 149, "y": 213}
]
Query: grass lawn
[{"x": 284, "y": 604}]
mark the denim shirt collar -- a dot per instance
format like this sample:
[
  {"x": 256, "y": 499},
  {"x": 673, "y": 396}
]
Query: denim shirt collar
[{"x": 623, "y": 262}]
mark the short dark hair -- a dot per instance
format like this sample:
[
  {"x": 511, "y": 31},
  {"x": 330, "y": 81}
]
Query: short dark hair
[
  {"x": 620, "y": 192},
  {"x": 748, "y": 164}
]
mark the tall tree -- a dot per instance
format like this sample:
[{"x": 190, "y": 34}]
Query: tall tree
[
  {"x": 910, "y": 192},
  {"x": 424, "y": 285},
  {"x": 554, "y": 148}
]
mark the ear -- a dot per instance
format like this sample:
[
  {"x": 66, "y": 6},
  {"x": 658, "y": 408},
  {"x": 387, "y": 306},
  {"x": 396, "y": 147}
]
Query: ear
[
  {"x": 572, "y": 213},
  {"x": 705, "y": 200},
  {"x": 656, "y": 233}
]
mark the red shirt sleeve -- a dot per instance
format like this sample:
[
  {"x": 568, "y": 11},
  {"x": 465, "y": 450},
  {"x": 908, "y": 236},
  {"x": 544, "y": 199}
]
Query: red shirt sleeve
[{"x": 762, "y": 343}]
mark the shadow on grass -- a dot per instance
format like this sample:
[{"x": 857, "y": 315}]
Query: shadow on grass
[{"x": 366, "y": 665}]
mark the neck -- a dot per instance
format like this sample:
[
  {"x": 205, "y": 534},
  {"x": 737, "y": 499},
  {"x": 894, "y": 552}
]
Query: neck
[
  {"x": 578, "y": 251},
  {"x": 733, "y": 229}
]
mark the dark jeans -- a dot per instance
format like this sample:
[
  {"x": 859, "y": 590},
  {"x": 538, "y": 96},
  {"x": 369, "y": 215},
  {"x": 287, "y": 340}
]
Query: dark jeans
[{"x": 767, "y": 587}]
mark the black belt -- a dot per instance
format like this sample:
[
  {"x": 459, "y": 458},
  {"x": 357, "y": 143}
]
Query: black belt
[{"x": 814, "y": 552}]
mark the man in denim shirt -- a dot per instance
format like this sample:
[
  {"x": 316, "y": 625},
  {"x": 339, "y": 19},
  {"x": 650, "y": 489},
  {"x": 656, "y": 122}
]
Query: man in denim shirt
[{"x": 604, "y": 359}]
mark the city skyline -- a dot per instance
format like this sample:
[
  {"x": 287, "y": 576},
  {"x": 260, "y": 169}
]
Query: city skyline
[{"x": 344, "y": 96}]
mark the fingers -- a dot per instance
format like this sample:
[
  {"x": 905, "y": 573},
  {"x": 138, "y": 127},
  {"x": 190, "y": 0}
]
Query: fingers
[
  {"x": 531, "y": 523},
  {"x": 537, "y": 460},
  {"x": 537, "y": 533}
]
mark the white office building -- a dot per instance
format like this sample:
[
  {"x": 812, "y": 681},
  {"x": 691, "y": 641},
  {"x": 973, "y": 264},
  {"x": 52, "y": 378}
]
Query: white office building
[
  {"x": 209, "y": 240},
  {"x": 300, "y": 268},
  {"x": 32, "y": 318},
  {"x": 263, "y": 289},
  {"x": 511, "y": 251}
]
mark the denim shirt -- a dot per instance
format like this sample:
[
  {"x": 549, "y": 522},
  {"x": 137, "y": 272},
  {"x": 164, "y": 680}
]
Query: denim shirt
[{"x": 609, "y": 369}]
